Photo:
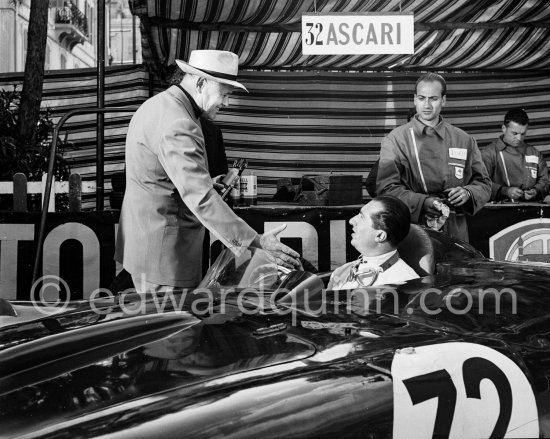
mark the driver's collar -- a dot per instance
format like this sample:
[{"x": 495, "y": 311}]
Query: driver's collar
[{"x": 378, "y": 260}]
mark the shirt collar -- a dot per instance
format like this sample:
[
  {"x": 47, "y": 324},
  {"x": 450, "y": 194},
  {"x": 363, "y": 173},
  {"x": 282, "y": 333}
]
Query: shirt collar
[
  {"x": 420, "y": 128},
  {"x": 196, "y": 109},
  {"x": 377, "y": 260},
  {"x": 502, "y": 145}
]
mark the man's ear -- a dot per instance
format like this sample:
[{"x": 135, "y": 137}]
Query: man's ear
[
  {"x": 200, "y": 83},
  {"x": 381, "y": 236}
]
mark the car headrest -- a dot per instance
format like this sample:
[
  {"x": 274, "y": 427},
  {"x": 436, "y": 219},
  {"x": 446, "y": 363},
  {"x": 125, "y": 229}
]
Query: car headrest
[{"x": 417, "y": 251}]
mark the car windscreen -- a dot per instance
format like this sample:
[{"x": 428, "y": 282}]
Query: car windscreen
[{"x": 252, "y": 268}]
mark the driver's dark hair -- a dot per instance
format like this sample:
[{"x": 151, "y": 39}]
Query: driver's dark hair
[{"x": 394, "y": 218}]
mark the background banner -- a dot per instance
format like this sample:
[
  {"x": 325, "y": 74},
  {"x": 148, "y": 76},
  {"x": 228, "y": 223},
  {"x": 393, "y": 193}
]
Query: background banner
[{"x": 79, "y": 247}]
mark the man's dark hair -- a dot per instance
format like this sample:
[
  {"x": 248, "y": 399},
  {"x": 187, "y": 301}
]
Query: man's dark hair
[
  {"x": 394, "y": 218},
  {"x": 432, "y": 77},
  {"x": 176, "y": 76},
  {"x": 517, "y": 115}
]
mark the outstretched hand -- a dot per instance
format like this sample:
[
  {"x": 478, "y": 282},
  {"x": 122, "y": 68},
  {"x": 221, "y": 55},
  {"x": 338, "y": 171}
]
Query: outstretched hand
[{"x": 283, "y": 254}]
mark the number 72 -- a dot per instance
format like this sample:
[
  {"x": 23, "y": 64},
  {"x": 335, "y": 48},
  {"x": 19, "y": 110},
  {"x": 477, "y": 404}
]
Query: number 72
[{"x": 439, "y": 384}]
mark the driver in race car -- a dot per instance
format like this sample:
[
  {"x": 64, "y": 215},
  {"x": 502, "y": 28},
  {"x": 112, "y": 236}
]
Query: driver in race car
[{"x": 377, "y": 231}]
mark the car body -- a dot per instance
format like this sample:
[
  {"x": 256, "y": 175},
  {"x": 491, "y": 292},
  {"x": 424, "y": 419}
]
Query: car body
[{"x": 256, "y": 352}]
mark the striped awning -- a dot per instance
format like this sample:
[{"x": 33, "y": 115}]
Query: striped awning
[
  {"x": 296, "y": 123},
  {"x": 450, "y": 35}
]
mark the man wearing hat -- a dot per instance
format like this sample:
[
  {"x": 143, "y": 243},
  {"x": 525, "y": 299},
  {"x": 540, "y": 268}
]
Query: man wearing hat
[{"x": 170, "y": 196}]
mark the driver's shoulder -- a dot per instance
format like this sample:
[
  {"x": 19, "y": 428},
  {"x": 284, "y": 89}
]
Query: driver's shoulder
[
  {"x": 405, "y": 270},
  {"x": 344, "y": 267}
]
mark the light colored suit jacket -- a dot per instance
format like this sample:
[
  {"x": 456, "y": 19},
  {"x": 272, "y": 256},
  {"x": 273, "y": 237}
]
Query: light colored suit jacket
[{"x": 169, "y": 196}]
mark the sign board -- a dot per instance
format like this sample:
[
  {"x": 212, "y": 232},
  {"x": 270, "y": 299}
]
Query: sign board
[
  {"x": 79, "y": 247},
  {"x": 523, "y": 241},
  {"x": 357, "y": 34}
]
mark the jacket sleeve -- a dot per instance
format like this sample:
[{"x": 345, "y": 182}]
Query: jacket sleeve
[
  {"x": 393, "y": 177},
  {"x": 489, "y": 157},
  {"x": 370, "y": 182},
  {"x": 181, "y": 155},
  {"x": 542, "y": 178},
  {"x": 479, "y": 185}
]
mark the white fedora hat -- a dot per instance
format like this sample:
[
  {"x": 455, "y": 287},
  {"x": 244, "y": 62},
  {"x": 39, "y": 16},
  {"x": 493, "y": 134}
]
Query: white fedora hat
[{"x": 217, "y": 65}]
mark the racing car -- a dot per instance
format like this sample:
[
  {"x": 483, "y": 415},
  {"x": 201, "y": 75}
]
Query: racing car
[{"x": 258, "y": 351}]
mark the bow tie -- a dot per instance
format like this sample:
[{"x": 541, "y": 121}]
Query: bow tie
[{"x": 366, "y": 276}]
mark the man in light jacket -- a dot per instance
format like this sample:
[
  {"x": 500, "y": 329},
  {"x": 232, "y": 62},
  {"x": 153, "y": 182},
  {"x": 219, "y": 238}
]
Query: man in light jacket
[{"x": 170, "y": 196}]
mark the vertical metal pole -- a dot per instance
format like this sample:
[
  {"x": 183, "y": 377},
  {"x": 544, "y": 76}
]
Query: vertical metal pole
[
  {"x": 134, "y": 38},
  {"x": 109, "y": 31},
  {"x": 15, "y": 49},
  {"x": 121, "y": 42},
  {"x": 100, "y": 101}
]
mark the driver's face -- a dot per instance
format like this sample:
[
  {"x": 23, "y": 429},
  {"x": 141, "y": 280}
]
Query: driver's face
[{"x": 363, "y": 236}]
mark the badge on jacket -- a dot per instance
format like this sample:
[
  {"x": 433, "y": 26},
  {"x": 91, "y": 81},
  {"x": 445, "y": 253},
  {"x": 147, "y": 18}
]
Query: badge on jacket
[
  {"x": 459, "y": 172},
  {"x": 533, "y": 173},
  {"x": 458, "y": 153}
]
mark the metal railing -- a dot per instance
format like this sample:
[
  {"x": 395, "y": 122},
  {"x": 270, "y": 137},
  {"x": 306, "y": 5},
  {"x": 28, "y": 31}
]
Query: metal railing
[
  {"x": 70, "y": 14},
  {"x": 48, "y": 189}
]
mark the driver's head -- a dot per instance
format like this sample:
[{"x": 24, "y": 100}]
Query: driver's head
[{"x": 380, "y": 226}]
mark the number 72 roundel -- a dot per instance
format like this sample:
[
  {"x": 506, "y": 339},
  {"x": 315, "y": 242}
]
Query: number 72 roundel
[{"x": 460, "y": 390}]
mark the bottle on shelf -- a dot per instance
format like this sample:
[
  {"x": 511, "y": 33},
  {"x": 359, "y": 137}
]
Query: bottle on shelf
[{"x": 249, "y": 189}]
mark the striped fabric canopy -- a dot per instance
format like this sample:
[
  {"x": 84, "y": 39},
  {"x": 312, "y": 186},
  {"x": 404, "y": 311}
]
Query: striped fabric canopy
[
  {"x": 322, "y": 114},
  {"x": 296, "y": 123},
  {"x": 266, "y": 34}
]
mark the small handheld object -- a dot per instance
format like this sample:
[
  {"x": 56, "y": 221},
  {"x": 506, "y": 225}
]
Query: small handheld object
[
  {"x": 232, "y": 175},
  {"x": 439, "y": 222}
]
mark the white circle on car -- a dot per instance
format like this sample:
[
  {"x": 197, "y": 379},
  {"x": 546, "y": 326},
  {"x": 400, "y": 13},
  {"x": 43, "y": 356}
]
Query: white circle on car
[{"x": 460, "y": 390}]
